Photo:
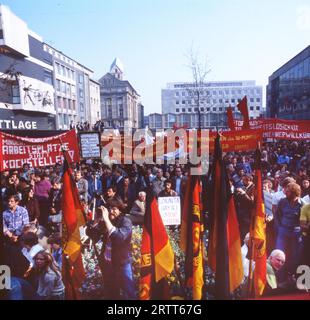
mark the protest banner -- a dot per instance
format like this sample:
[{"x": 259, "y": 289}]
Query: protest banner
[{"x": 38, "y": 152}]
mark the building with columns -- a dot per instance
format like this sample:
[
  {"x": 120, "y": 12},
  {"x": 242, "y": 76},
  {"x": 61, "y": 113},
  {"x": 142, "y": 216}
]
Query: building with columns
[{"x": 119, "y": 99}]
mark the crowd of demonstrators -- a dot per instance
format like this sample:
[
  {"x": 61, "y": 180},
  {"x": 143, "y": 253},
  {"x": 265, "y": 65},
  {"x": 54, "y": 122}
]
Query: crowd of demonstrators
[
  {"x": 32, "y": 232},
  {"x": 117, "y": 196},
  {"x": 80, "y": 126}
]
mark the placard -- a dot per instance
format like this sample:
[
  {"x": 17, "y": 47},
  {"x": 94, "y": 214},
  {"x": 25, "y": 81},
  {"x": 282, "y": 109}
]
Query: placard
[
  {"x": 170, "y": 210},
  {"x": 90, "y": 145}
]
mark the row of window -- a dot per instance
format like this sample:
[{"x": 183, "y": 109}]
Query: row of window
[
  {"x": 215, "y": 101},
  {"x": 244, "y": 92},
  {"x": 66, "y": 104},
  {"x": 65, "y": 87},
  {"x": 235, "y": 109},
  {"x": 65, "y": 119},
  {"x": 65, "y": 71},
  {"x": 299, "y": 71}
]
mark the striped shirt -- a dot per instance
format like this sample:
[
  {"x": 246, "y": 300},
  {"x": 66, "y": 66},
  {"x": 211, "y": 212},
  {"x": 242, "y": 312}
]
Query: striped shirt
[{"x": 15, "y": 221}]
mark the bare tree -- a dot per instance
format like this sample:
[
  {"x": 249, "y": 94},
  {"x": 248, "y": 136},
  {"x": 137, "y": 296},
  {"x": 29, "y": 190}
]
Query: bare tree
[{"x": 199, "y": 69}]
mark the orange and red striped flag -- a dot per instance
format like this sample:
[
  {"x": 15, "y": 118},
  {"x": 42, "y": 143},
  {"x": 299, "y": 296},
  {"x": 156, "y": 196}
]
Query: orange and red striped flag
[
  {"x": 73, "y": 217},
  {"x": 157, "y": 256}
]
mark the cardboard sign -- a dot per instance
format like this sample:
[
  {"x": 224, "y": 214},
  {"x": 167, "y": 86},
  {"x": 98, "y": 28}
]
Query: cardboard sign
[{"x": 170, "y": 210}]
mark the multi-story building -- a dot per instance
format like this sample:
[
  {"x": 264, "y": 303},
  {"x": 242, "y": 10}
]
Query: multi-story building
[
  {"x": 288, "y": 89},
  {"x": 183, "y": 100},
  {"x": 40, "y": 87},
  {"x": 119, "y": 100},
  {"x": 72, "y": 89},
  {"x": 95, "y": 107},
  {"x": 26, "y": 77},
  {"x": 141, "y": 123}
]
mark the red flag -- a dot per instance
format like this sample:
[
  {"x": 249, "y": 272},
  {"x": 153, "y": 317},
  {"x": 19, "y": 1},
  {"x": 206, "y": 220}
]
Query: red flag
[
  {"x": 157, "y": 257},
  {"x": 243, "y": 108},
  {"x": 230, "y": 119},
  {"x": 73, "y": 218}
]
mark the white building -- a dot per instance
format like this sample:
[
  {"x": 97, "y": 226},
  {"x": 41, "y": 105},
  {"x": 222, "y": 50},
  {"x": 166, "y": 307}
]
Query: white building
[{"x": 181, "y": 99}]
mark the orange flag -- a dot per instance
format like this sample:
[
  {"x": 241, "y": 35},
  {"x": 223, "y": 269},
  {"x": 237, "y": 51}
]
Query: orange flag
[
  {"x": 258, "y": 232},
  {"x": 191, "y": 240},
  {"x": 72, "y": 211}
]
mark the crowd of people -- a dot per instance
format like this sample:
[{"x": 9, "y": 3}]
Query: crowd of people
[{"x": 114, "y": 200}]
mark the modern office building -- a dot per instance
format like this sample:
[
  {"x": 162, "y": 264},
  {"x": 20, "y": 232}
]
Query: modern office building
[
  {"x": 288, "y": 89},
  {"x": 26, "y": 77},
  {"x": 119, "y": 100},
  {"x": 39, "y": 83},
  {"x": 182, "y": 100}
]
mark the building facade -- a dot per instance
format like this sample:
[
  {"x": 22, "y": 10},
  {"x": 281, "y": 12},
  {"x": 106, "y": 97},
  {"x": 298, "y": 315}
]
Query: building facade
[
  {"x": 183, "y": 101},
  {"x": 288, "y": 89},
  {"x": 26, "y": 77},
  {"x": 95, "y": 107},
  {"x": 39, "y": 83},
  {"x": 119, "y": 100},
  {"x": 72, "y": 82}
]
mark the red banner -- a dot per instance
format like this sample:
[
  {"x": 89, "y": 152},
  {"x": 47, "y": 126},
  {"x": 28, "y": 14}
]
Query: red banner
[
  {"x": 38, "y": 152},
  {"x": 280, "y": 129}
]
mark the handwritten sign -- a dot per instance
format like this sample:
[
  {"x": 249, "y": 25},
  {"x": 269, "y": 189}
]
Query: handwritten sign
[
  {"x": 170, "y": 210},
  {"x": 90, "y": 145}
]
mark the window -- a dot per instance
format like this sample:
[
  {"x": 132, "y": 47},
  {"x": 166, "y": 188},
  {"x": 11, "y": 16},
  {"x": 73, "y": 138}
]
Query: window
[
  {"x": 251, "y": 108},
  {"x": 202, "y": 109},
  {"x": 183, "y": 109},
  {"x": 81, "y": 93},
  {"x": 214, "y": 100},
  {"x": 183, "y": 94},
  {"x": 220, "y": 100},
  {"x": 48, "y": 77},
  {"x": 257, "y": 99},
  {"x": 251, "y": 99},
  {"x": 177, "y": 110},
  {"x": 65, "y": 105},
  {"x": 183, "y": 101},
  {"x": 1, "y": 34},
  {"x": 81, "y": 107},
  {"x": 63, "y": 87},
  {"x": 60, "y": 119},
  {"x": 257, "y": 108},
  {"x": 208, "y": 109},
  {"x": 177, "y": 94},
  {"x": 66, "y": 121},
  {"x": 63, "y": 71},
  {"x": 189, "y": 110},
  {"x": 232, "y": 100},
  {"x": 80, "y": 78},
  {"x": 58, "y": 85},
  {"x": 214, "y": 109},
  {"x": 121, "y": 111},
  {"x": 68, "y": 73},
  {"x": 15, "y": 94},
  {"x": 73, "y": 105}
]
